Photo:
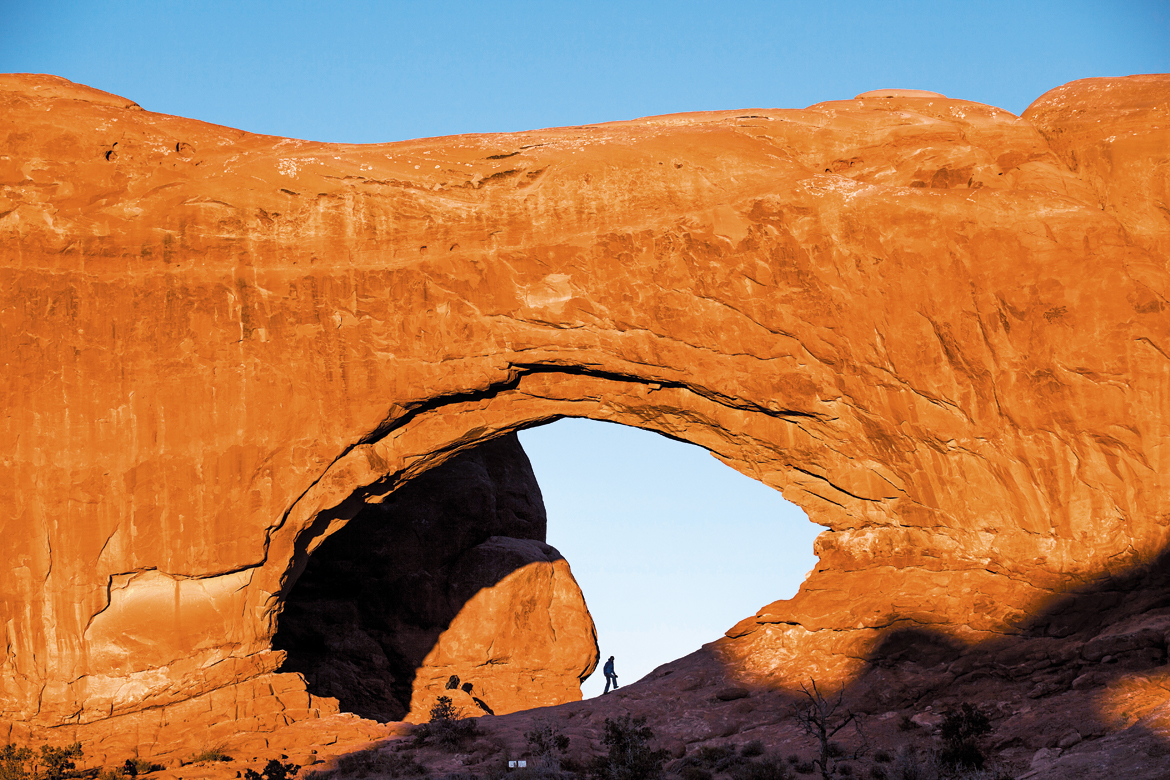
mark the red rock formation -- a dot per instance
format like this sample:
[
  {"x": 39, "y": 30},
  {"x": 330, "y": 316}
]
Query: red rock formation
[
  {"x": 447, "y": 578},
  {"x": 526, "y": 641},
  {"x": 939, "y": 328}
]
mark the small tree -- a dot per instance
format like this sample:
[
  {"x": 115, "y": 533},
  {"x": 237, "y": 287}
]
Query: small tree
[
  {"x": 57, "y": 763},
  {"x": 821, "y": 719},
  {"x": 961, "y": 729},
  {"x": 630, "y": 756},
  {"x": 14, "y": 762},
  {"x": 444, "y": 710},
  {"x": 447, "y": 726}
]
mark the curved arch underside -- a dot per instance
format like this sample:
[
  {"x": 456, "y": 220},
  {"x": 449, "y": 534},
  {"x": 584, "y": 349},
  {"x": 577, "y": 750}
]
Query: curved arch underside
[{"x": 940, "y": 329}]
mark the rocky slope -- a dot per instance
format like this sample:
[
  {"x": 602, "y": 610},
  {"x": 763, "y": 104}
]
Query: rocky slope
[{"x": 939, "y": 328}]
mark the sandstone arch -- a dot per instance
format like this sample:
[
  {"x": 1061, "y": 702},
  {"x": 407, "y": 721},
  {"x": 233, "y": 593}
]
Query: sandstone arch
[{"x": 938, "y": 328}]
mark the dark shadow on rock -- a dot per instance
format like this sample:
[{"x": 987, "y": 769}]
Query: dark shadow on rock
[
  {"x": 923, "y": 647},
  {"x": 1043, "y": 685},
  {"x": 375, "y": 596},
  {"x": 1056, "y": 690},
  {"x": 1088, "y": 635}
]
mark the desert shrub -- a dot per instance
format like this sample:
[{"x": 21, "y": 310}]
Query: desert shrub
[
  {"x": 845, "y": 770},
  {"x": 752, "y": 749},
  {"x": 877, "y": 773},
  {"x": 213, "y": 753},
  {"x": 14, "y": 762},
  {"x": 882, "y": 757},
  {"x": 716, "y": 758},
  {"x": 910, "y": 766},
  {"x": 907, "y": 724},
  {"x": 140, "y": 766},
  {"x": 273, "y": 770},
  {"x": 805, "y": 767},
  {"x": 710, "y": 755},
  {"x": 794, "y": 759},
  {"x": 547, "y": 745},
  {"x": 57, "y": 763},
  {"x": 447, "y": 727},
  {"x": 501, "y": 771},
  {"x": 961, "y": 730},
  {"x": 730, "y": 764},
  {"x": 629, "y": 756},
  {"x": 771, "y": 768},
  {"x": 49, "y": 763},
  {"x": 705, "y": 762},
  {"x": 374, "y": 763},
  {"x": 444, "y": 709}
]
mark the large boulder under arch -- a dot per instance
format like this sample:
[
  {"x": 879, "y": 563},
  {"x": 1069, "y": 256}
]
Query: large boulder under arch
[
  {"x": 444, "y": 588},
  {"x": 939, "y": 328}
]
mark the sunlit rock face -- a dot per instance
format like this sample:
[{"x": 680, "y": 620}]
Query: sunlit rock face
[
  {"x": 444, "y": 588},
  {"x": 939, "y": 328}
]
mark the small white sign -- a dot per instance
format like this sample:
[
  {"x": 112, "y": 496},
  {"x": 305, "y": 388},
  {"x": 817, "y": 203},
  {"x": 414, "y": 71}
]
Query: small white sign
[{"x": 517, "y": 764}]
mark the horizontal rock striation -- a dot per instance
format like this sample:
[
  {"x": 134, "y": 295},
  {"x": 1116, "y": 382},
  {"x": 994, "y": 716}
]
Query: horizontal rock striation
[{"x": 939, "y": 328}]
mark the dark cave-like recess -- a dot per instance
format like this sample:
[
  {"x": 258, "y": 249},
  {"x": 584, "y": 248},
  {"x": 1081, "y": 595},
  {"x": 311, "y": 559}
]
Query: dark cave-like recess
[{"x": 376, "y": 595}]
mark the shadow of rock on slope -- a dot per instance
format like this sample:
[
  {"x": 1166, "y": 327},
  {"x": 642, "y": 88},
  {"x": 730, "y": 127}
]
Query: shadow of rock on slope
[
  {"x": 428, "y": 593},
  {"x": 1084, "y": 684},
  {"x": 1083, "y": 639},
  {"x": 1083, "y": 690}
]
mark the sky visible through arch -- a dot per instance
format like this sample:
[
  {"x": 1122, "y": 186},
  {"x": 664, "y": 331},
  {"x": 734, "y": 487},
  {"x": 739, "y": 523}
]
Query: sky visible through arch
[
  {"x": 670, "y": 546},
  {"x": 365, "y": 72}
]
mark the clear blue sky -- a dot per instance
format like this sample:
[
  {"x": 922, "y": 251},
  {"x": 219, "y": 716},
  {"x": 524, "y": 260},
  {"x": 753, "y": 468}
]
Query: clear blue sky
[
  {"x": 670, "y": 547},
  {"x": 637, "y": 516},
  {"x": 384, "y": 71}
]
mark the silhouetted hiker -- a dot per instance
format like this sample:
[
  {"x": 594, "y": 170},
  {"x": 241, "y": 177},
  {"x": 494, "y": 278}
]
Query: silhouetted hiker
[{"x": 610, "y": 675}]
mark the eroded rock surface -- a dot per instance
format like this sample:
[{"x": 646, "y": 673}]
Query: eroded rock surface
[
  {"x": 444, "y": 588},
  {"x": 939, "y": 328}
]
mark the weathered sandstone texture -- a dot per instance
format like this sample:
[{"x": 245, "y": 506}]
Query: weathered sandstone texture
[
  {"x": 939, "y": 328},
  {"x": 444, "y": 588}
]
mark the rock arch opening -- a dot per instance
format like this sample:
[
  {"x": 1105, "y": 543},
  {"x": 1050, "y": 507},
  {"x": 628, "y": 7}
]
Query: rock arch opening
[
  {"x": 670, "y": 547},
  {"x": 447, "y": 585}
]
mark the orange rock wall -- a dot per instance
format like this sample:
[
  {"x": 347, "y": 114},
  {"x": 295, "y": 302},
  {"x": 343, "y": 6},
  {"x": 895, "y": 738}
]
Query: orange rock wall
[{"x": 939, "y": 328}]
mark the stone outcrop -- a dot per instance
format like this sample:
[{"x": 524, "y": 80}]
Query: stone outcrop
[
  {"x": 939, "y": 328},
  {"x": 444, "y": 588}
]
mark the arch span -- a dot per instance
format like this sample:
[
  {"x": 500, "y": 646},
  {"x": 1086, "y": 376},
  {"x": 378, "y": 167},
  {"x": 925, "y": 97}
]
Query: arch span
[{"x": 936, "y": 330}]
